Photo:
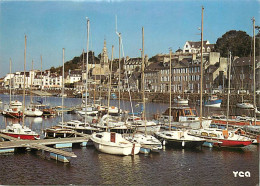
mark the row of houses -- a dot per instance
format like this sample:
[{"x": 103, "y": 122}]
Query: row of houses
[{"x": 185, "y": 72}]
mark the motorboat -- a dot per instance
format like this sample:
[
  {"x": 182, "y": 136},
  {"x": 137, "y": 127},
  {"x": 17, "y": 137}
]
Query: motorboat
[
  {"x": 179, "y": 139},
  {"x": 141, "y": 125},
  {"x": 79, "y": 126},
  {"x": 213, "y": 101},
  {"x": 222, "y": 138},
  {"x": 181, "y": 101},
  {"x": 182, "y": 116},
  {"x": 21, "y": 132},
  {"x": 148, "y": 142},
  {"x": 12, "y": 112}
]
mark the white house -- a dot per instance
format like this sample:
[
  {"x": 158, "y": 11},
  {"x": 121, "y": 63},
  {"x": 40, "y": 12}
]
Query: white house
[{"x": 194, "y": 47}]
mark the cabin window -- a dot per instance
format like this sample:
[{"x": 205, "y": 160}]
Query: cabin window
[
  {"x": 194, "y": 112},
  {"x": 187, "y": 112},
  {"x": 204, "y": 134},
  {"x": 99, "y": 136},
  {"x": 212, "y": 135},
  {"x": 168, "y": 135}
]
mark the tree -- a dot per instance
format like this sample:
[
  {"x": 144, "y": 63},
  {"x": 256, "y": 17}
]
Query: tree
[{"x": 238, "y": 42}]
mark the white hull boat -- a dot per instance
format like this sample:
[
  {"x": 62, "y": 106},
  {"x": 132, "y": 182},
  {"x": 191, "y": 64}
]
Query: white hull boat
[
  {"x": 114, "y": 143},
  {"x": 148, "y": 142},
  {"x": 33, "y": 112},
  {"x": 245, "y": 105},
  {"x": 179, "y": 139},
  {"x": 141, "y": 125}
]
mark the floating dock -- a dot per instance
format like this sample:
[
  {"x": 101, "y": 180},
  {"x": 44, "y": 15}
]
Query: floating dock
[{"x": 60, "y": 155}]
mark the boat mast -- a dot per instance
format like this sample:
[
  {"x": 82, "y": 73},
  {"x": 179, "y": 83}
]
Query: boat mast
[
  {"x": 10, "y": 81},
  {"x": 82, "y": 74},
  {"x": 119, "y": 66},
  {"x": 201, "y": 67},
  {"x": 24, "y": 78},
  {"x": 41, "y": 76},
  {"x": 31, "y": 85},
  {"x": 143, "y": 83},
  {"x": 255, "y": 108},
  {"x": 110, "y": 74},
  {"x": 62, "y": 94},
  {"x": 86, "y": 95},
  {"x": 170, "y": 90},
  {"x": 94, "y": 61},
  {"x": 229, "y": 72}
]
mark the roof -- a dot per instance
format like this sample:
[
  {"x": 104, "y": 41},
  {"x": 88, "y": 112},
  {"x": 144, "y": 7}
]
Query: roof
[
  {"x": 156, "y": 66},
  {"x": 212, "y": 68},
  {"x": 197, "y": 44}
]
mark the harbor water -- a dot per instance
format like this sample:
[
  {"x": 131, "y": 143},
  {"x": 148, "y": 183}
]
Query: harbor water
[{"x": 205, "y": 166}]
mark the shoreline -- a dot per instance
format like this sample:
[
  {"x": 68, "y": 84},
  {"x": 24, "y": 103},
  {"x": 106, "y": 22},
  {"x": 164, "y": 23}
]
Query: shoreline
[{"x": 156, "y": 97}]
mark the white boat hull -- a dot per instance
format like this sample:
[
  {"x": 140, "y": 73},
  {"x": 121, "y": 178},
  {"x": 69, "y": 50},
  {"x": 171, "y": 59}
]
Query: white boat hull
[
  {"x": 36, "y": 113},
  {"x": 245, "y": 105},
  {"x": 217, "y": 105},
  {"x": 148, "y": 129},
  {"x": 120, "y": 147}
]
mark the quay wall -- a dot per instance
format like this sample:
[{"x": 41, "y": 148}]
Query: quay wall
[{"x": 155, "y": 96}]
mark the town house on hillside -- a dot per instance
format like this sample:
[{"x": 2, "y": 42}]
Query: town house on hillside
[{"x": 242, "y": 74}]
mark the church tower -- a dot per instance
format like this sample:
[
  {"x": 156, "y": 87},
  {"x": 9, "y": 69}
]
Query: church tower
[{"x": 104, "y": 56}]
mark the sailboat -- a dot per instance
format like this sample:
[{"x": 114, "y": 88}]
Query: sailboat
[
  {"x": 31, "y": 110},
  {"x": 244, "y": 104},
  {"x": 140, "y": 123},
  {"x": 17, "y": 130},
  {"x": 178, "y": 138},
  {"x": 219, "y": 137},
  {"x": 60, "y": 131},
  {"x": 148, "y": 142},
  {"x": 14, "y": 108},
  {"x": 111, "y": 142}
]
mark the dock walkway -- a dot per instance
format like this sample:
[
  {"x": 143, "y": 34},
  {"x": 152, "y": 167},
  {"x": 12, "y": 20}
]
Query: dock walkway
[{"x": 41, "y": 144}]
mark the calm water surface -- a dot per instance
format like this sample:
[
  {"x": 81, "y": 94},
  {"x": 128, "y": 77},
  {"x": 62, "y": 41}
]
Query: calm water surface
[{"x": 170, "y": 166}]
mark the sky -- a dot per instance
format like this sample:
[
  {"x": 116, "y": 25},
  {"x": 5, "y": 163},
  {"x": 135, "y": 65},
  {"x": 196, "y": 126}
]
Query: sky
[{"x": 53, "y": 25}]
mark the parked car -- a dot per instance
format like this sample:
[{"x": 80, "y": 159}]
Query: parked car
[{"x": 257, "y": 92}]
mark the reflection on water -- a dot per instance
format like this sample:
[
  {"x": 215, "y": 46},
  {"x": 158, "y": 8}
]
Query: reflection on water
[{"x": 170, "y": 166}]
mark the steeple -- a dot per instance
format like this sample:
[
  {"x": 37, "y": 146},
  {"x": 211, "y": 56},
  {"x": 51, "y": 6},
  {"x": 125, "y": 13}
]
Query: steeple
[{"x": 104, "y": 56}]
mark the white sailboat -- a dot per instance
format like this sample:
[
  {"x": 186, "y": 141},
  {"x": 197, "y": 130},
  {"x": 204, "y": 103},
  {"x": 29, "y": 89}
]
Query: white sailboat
[
  {"x": 60, "y": 131},
  {"x": 31, "y": 110},
  {"x": 111, "y": 142},
  {"x": 14, "y": 108},
  {"x": 180, "y": 138},
  {"x": 147, "y": 141},
  {"x": 114, "y": 143},
  {"x": 17, "y": 130}
]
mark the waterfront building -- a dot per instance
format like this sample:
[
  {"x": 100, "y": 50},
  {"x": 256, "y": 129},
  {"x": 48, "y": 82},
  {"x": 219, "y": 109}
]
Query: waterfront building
[
  {"x": 242, "y": 74},
  {"x": 185, "y": 72},
  {"x": 73, "y": 76}
]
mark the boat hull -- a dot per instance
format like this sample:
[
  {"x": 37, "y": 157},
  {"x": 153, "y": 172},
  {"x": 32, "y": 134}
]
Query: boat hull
[
  {"x": 183, "y": 144},
  {"x": 116, "y": 150},
  {"x": 214, "y": 103},
  {"x": 245, "y": 106},
  {"x": 23, "y": 136},
  {"x": 153, "y": 129},
  {"x": 232, "y": 143}
]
